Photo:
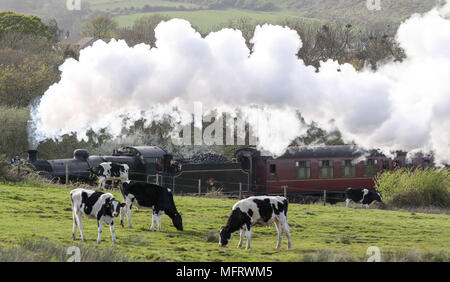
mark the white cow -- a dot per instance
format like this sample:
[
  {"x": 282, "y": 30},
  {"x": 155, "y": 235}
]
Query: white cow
[
  {"x": 253, "y": 210},
  {"x": 110, "y": 171},
  {"x": 97, "y": 205}
]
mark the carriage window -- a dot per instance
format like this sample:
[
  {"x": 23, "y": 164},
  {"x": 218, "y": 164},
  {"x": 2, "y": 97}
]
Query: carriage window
[
  {"x": 348, "y": 169},
  {"x": 371, "y": 167},
  {"x": 273, "y": 169},
  {"x": 302, "y": 169},
  {"x": 326, "y": 169},
  {"x": 385, "y": 165}
]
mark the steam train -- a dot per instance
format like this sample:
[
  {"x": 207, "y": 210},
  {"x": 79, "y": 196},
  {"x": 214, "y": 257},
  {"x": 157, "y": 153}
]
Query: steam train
[{"x": 299, "y": 172}]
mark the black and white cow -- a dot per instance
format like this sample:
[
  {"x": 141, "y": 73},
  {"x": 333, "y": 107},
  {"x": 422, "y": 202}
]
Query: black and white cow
[
  {"x": 110, "y": 171},
  {"x": 92, "y": 204},
  {"x": 255, "y": 210},
  {"x": 150, "y": 196},
  {"x": 364, "y": 196}
]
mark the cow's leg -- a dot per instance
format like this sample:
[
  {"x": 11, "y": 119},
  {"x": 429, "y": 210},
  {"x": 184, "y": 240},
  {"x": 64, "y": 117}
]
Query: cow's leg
[
  {"x": 347, "y": 202},
  {"x": 80, "y": 224},
  {"x": 127, "y": 209},
  {"x": 242, "y": 231},
  {"x": 286, "y": 229},
  {"x": 367, "y": 206},
  {"x": 279, "y": 232},
  {"x": 101, "y": 182},
  {"x": 153, "y": 222},
  {"x": 122, "y": 211},
  {"x": 111, "y": 228},
  {"x": 158, "y": 220},
  {"x": 129, "y": 215},
  {"x": 248, "y": 234},
  {"x": 74, "y": 229},
  {"x": 100, "y": 228}
]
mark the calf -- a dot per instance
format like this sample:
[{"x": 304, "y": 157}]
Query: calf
[
  {"x": 254, "y": 210},
  {"x": 97, "y": 205},
  {"x": 151, "y": 196},
  {"x": 364, "y": 196},
  {"x": 110, "y": 171}
]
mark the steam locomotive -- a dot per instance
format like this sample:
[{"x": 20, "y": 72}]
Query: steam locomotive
[{"x": 299, "y": 172}]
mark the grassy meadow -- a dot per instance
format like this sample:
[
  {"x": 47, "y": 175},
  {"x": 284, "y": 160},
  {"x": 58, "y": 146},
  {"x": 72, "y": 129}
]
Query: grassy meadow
[
  {"x": 201, "y": 14},
  {"x": 206, "y": 19},
  {"x": 38, "y": 219}
]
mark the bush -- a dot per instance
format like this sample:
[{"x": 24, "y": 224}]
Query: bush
[
  {"x": 13, "y": 130},
  {"x": 415, "y": 188},
  {"x": 22, "y": 174}
]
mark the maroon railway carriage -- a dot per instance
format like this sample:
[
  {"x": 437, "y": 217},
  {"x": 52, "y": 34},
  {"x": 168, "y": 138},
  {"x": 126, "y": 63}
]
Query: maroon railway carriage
[{"x": 312, "y": 170}]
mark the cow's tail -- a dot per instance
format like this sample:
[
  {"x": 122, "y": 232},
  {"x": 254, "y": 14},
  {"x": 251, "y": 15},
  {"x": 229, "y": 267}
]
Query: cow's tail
[
  {"x": 71, "y": 199},
  {"x": 286, "y": 203}
]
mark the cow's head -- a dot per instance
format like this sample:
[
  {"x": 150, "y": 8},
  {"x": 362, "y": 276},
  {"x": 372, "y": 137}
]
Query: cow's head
[
  {"x": 177, "y": 221},
  {"x": 224, "y": 236},
  {"x": 112, "y": 207}
]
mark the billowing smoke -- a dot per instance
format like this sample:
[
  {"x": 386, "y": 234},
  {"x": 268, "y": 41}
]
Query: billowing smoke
[{"x": 401, "y": 106}]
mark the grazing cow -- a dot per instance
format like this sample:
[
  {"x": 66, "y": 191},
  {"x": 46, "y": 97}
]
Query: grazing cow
[
  {"x": 97, "y": 205},
  {"x": 110, "y": 171},
  {"x": 254, "y": 210},
  {"x": 150, "y": 196},
  {"x": 364, "y": 196}
]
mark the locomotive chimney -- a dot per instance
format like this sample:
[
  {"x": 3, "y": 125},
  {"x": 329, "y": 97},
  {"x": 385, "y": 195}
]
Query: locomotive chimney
[{"x": 32, "y": 156}]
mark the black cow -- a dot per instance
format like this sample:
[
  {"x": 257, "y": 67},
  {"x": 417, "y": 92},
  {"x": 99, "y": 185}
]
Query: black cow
[
  {"x": 110, "y": 171},
  {"x": 254, "y": 210},
  {"x": 92, "y": 204},
  {"x": 364, "y": 196},
  {"x": 151, "y": 196}
]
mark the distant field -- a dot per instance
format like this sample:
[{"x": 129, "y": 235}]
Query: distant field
[
  {"x": 354, "y": 12},
  {"x": 106, "y": 5},
  {"x": 33, "y": 213},
  {"x": 205, "y": 19}
]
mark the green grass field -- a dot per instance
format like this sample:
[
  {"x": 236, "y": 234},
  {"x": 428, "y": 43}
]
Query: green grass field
[
  {"x": 353, "y": 12},
  {"x": 107, "y": 5},
  {"x": 44, "y": 213},
  {"x": 206, "y": 19}
]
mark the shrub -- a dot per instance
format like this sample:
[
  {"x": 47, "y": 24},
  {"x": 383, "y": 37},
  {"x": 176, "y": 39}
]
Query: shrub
[
  {"x": 415, "y": 188},
  {"x": 13, "y": 130},
  {"x": 16, "y": 174}
]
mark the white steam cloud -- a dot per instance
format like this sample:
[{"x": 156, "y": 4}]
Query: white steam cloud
[{"x": 401, "y": 106}]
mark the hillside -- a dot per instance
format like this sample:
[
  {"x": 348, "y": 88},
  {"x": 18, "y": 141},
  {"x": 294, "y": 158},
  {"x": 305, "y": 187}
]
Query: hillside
[
  {"x": 210, "y": 13},
  {"x": 354, "y": 12}
]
